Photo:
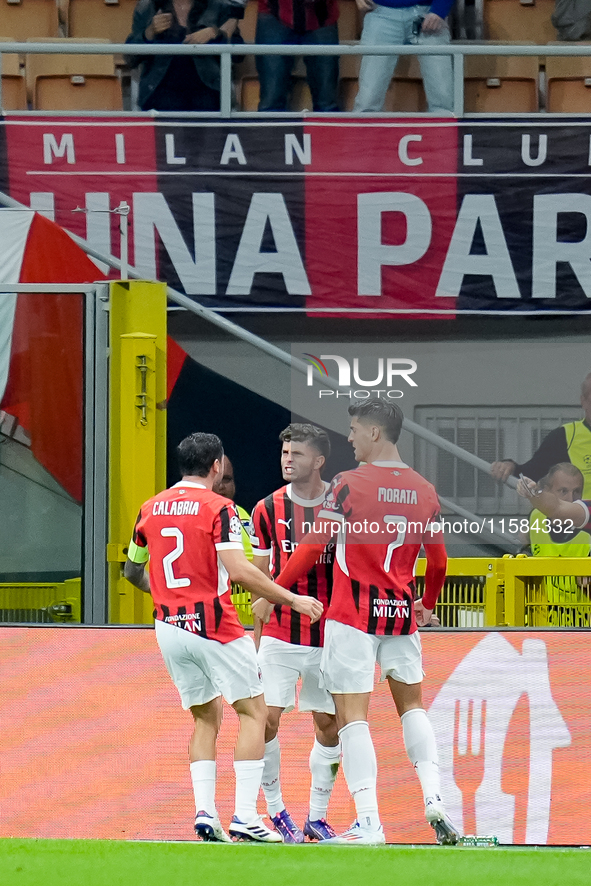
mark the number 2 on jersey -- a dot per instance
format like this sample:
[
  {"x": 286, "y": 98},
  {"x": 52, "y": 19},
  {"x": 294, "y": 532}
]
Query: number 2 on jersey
[
  {"x": 400, "y": 526},
  {"x": 168, "y": 560}
]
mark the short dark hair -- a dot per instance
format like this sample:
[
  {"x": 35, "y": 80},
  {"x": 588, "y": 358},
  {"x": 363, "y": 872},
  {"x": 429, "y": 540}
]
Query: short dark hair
[
  {"x": 387, "y": 415},
  {"x": 197, "y": 453},
  {"x": 305, "y": 433},
  {"x": 567, "y": 467}
]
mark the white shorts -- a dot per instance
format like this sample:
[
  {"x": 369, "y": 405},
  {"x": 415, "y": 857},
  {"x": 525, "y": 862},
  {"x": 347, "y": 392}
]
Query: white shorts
[
  {"x": 349, "y": 658},
  {"x": 204, "y": 669},
  {"x": 281, "y": 665}
]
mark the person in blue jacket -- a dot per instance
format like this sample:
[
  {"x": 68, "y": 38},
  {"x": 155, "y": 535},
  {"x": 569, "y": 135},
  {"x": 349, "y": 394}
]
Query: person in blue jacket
[{"x": 398, "y": 23}]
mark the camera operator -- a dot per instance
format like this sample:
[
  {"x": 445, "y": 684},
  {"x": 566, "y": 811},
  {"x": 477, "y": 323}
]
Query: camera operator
[{"x": 182, "y": 82}]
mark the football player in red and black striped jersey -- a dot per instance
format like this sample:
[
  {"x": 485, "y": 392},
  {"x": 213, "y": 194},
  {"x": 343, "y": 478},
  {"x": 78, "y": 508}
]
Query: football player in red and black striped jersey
[
  {"x": 290, "y": 647},
  {"x": 192, "y": 537},
  {"x": 384, "y": 512}
]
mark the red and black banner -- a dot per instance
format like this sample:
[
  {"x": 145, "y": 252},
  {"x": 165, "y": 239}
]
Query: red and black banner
[{"x": 340, "y": 215}]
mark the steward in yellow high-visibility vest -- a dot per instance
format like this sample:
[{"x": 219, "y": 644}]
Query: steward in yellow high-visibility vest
[
  {"x": 569, "y": 443},
  {"x": 226, "y": 486}
]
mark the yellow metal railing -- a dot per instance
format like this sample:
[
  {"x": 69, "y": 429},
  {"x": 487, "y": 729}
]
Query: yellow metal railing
[
  {"x": 478, "y": 592},
  {"x": 472, "y": 596},
  {"x": 41, "y": 602},
  {"x": 547, "y": 591},
  {"x": 519, "y": 591}
]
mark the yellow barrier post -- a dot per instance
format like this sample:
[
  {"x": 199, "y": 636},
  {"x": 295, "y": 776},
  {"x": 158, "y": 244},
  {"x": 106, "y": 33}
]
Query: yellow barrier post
[{"x": 137, "y": 422}]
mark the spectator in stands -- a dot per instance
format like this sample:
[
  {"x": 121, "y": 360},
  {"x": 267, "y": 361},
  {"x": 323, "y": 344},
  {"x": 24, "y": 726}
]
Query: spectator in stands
[
  {"x": 398, "y": 23},
  {"x": 299, "y": 23},
  {"x": 569, "y": 443},
  {"x": 182, "y": 82},
  {"x": 572, "y": 19}
]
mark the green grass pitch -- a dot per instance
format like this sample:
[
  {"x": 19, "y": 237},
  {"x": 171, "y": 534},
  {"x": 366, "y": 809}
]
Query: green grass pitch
[{"x": 123, "y": 863}]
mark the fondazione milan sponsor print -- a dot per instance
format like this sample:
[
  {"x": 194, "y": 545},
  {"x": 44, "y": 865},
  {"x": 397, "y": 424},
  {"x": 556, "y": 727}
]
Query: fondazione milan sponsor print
[{"x": 351, "y": 216}]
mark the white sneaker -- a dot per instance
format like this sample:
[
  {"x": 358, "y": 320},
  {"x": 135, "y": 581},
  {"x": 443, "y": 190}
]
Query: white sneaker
[
  {"x": 446, "y": 833},
  {"x": 254, "y": 830},
  {"x": 358, "y": 835},
  {"x": 209, "y": 828}
]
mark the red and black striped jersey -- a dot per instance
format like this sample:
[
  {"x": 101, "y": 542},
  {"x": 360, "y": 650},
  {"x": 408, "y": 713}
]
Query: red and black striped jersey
[
  {"x": 181, "y": 530},
  {"x": 386, "y": 511},
  {"x": 279, "y": 522}
]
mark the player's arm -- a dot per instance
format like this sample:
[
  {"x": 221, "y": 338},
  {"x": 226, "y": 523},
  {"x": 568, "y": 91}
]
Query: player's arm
[
  {"x": 137, "y": 559},
  {"x": 302, "y": 560},
  {"x": 553, "y": 507},
  {"x": 244, "y": 573},
  {"x": 326, "y": 526},
  {"x": 261, "y": 557},
  {"x": 137, "y": 575},
  {"x": 434, "y": 574},
  {"x": 263, "y": 610}
]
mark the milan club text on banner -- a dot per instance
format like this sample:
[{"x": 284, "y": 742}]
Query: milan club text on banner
[{"x": 349, "y": 215}]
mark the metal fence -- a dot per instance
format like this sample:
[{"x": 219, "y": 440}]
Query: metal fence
[
  {"x": 457, "y": 51},
  {"x": 479, "y": 592}
]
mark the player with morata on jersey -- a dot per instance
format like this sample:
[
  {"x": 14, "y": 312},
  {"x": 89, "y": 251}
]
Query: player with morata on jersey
[
  {"x": 383, "y": 511},
  {"x": 291, "y": 647},
  {"x": 192, "y": 537}
]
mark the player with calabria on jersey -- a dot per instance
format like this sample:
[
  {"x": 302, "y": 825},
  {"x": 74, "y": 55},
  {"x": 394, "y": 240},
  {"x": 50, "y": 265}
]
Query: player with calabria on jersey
[{"x": 192, "y": 537}]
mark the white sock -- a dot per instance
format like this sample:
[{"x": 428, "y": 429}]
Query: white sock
[
  {"x": 270, "y": 783},
  {"x": 421, "y": 747},
  {"x": 324, "y": 765},
  {"x": 203, "y": 778},
  {"x": 361, "y": 771},
  {"x": 248, "y": 783}
]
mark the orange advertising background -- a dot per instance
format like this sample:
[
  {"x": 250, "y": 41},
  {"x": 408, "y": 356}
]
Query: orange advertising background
[{"x": 94, "y": 741}]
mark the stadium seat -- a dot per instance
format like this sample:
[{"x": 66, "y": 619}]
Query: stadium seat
[
  {"x": 501, "y": 84},
  {"x": 301, "y": 97},
  {"x": 514, "y": 20},
  {"x": 29, "y": 19},
  {"x": 249, "y": 22},
  {"x": 349, "y": 22},
  {"x": 248, "y": 93},
  {"x": 74, "y": 82},
  {"x": 14, "y": 87},
  {"x": 107, "y": 19},
  {"x": 568, "y": 82}
]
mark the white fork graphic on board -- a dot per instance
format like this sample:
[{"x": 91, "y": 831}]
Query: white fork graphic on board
[{"x": 480, "y": 697}]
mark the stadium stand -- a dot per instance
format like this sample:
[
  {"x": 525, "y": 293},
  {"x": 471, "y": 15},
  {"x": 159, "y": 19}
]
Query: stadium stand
[
  {"x": 74, "y": 82},
  {"x": 14, "y": 87},
  {"x": 492, "y": 84},
  {"x": 515, "y": 20},
  {"x": 106, "y": 19},
  {"x": 501, "y": 84},
  {"x": 349, "y": 23},
  {"x": 26, "y": 19},
  {"x": 568, "y": 85}
]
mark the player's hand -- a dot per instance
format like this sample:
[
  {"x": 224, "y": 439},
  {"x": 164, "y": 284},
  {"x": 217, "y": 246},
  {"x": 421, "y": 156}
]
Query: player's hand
[
  {"x": 365, "y": 5},
  {"x": 161, "y": 22},
  {"x": 433, "y": 24},
  {"x": 527, "y": 488},
  {"x": 502, "y": 470},
  {"x": 204, "y": 35},
  {"x": 422, "y": 615},
  {"x": 262, "y": 609},
  {"x": 308, "y": 606}
]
